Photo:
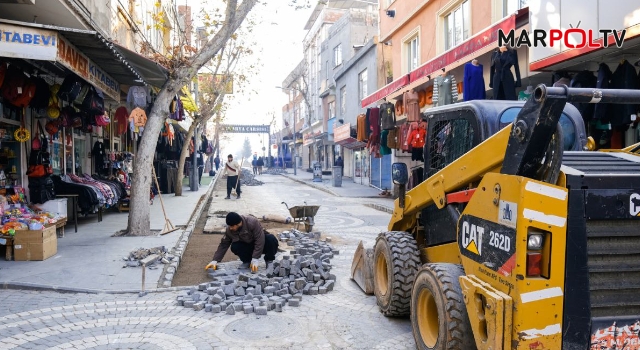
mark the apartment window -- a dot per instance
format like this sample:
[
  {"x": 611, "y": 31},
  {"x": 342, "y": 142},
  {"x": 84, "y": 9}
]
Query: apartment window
[
  {"x": 332, "y": 109},
  {"x": 457, "y": 25},
  {"x": 413, "y": 53},
  {"x": 326, "y": 70},
  {"x": 362, "y": 84},
  {"x": 511, "y": 6},
  {"x": 343, "y": 101},
  {"x": 337, "y": 55}
]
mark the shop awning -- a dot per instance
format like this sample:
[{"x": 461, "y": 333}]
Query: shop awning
[
  {"x": 151, "y": 72},
  {"x": 84, "y": 52},
  {"x": 187, "y": 102},
  {"x": 342, "y": 137},
  {"x": 385, "y": 91}
]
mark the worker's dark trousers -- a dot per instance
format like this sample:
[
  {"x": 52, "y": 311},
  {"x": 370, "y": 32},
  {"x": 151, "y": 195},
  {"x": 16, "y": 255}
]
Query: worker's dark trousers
[
  {"x": 231, "y": 184},
  {"x": 245, "y": 250}
]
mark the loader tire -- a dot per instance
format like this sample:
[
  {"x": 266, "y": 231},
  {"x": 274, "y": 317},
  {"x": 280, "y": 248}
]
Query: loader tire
[
  {"x": 395, "y": 263},
  {"x": 438, "y": 314}
]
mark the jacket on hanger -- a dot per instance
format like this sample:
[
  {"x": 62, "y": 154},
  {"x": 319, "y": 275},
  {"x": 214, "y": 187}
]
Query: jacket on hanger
[
  {"x": 500, "y": 76},
  {"x": 624, "y": 77},
  {"x": 473, "y": 83},
  {"x": 410, "y": 100},
  {"x": 387, "y": 116},
  {"x": 604, "y": 80},
  {"x": 392, "y": 138},
  {"x": 445, "y": 91},
  {"x": 584, "y": 79}
]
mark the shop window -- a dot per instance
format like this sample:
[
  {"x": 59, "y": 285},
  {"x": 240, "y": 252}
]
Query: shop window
[
  {"x": 413, "y": 53},
  {"x": 457, "y": 25},
  {"x": 332, "y": 109},
  {"x": 362, "y": 84},
  {"x": 337, "y": 55},
  {"x": 343, "y": 101},
  {"x": 511, "y": 6}
]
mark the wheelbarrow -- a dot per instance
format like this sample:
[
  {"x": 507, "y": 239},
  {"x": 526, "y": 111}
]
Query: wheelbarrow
[{"x": 303, "y": 214}]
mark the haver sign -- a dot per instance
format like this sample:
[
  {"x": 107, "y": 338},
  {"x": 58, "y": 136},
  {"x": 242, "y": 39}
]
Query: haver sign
[
  {"x": 80, "y": 64},
  {"x": 29, "y": 43},
  {"x": 255, "y": 129}
]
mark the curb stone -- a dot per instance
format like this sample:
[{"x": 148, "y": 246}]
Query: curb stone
[
  {"x": 178, "y": 250},
  {"x": 321, "y": 188},
  {"x": 379, "y": 207}
]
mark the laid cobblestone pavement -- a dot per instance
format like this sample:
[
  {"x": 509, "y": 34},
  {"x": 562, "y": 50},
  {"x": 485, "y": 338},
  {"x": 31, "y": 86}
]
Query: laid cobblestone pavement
[{"x": 342, "y": 319}]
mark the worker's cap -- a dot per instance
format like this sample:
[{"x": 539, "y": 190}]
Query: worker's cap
[{"x": 233, "y": 219}]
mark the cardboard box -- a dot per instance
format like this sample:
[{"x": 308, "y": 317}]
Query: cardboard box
[{"x": 35, "y": 245}]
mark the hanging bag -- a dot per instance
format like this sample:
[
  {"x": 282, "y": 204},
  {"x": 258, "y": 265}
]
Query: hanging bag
[{"x": 36, "y": 143}]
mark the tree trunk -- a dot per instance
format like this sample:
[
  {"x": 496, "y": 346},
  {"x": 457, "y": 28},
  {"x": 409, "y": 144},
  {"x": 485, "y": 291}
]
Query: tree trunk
[
  {"x": 183, "y": 157},
  {"x": 139, "y": 214}
]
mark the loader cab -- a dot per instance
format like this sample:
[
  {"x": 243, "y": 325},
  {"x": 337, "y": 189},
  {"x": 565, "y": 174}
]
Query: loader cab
[{"x": 455, "y": 129}]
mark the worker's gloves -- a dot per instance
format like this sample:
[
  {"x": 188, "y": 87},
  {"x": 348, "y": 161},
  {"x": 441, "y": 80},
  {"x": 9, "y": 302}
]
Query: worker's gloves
[
  {"x": 212, "y": 265},
  {"x": 254, "y": 265}
]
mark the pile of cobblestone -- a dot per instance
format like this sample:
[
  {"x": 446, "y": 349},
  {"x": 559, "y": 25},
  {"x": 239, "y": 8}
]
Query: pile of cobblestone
[
  {"x": 305, "y": 271},
  {"x": 248, "y": 179},
  {"x": 275, "y": 171},
  {"x": 148, "y": 256}
]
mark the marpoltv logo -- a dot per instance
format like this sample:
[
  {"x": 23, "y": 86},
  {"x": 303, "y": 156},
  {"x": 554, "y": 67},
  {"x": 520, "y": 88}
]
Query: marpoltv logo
[{"x": 573, "y": 38}]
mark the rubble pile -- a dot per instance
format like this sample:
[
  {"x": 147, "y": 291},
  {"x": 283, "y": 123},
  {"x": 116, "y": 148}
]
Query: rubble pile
[
  {"x": 275, "y": 171},
  {"x": 305, "y": 271},
  {"x": 248, "y": 179},
  {"x": 148, "y": 257}
]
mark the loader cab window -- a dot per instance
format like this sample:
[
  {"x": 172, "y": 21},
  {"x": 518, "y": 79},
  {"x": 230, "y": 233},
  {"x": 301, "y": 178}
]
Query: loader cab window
[
  {"x": 568, "y": 129},
  {"x": 450, "y": 136}
]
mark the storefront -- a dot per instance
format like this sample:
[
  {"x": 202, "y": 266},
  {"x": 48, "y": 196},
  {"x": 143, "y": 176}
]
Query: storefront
[{"x": 352, "y": 153}]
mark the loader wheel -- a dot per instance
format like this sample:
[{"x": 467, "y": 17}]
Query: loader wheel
[
  {"x": 438, "y": 314},
  {"x": 396, "y": 262}
]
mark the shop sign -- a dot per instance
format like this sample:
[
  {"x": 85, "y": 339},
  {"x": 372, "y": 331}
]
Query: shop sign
[
  {"x": 246, "y": 129},
  {"x": 220, "y": 83},
  {"x": 586, "y": 38},
  {"x": 485, "y": 38},
  {"x": 386, "y": 90},
  {"x": 27, "y": 42},
  {"x": 342, "y": 132},
  {"x": 80, "y": 64}
]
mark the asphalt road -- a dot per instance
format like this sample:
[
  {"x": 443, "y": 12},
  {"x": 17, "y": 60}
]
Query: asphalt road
[{"x": 342, "y": 319}]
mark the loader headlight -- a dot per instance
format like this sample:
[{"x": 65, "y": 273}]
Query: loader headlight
[{"x": 534, "y": 241}]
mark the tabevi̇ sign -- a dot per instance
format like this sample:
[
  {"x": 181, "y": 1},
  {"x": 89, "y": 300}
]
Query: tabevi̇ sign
[
  {"x": 244, "y": 129},
  {"x": 29, "y": 43}
]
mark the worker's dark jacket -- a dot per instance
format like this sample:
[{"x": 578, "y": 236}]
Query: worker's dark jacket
[{"x": 250, "y": 232}]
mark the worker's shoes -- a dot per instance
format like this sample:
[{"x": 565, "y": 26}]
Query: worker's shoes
[
  {"x": 244, "y": 265},
  {"x": 227, "y": 197},
  {"x": 268, "y": 263},
  {"x": 238, "y": 197}
]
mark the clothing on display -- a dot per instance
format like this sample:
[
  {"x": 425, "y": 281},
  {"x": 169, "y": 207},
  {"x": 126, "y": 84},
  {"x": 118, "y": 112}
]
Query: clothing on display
[
  {"x": 500, "y": 76},
  {"x": 445, "y": 91},
  {"x": 604, "y": 80},
  {"x": 624, "y": 77},
  {"x": 525, "y": 94},
  {"x": 388, "y": 116},
  {"x": 98, "y": 153},
  {"x": 138, "y": 96},
  {"x": 392, "y": 138},
  {"x": 410, "y": 101},
  {"x": 384, "y": 145},
  {"x": 584, "y": 79},
  {"x": 473, "y": 83},
  {"x": 361, "y": 126}
]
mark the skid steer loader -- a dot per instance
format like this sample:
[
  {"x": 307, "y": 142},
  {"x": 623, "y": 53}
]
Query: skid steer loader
[{"x": 518, "y": 238}]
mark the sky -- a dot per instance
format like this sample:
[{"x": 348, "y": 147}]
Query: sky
[{"x": 278, "y": 36}]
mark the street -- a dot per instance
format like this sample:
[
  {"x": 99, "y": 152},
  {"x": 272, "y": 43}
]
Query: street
[{"x": 345, "y": 318}]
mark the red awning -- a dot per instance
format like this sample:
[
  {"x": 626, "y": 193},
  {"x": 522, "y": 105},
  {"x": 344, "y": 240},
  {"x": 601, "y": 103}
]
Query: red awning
[
  {"x": 385, "y": 91},
  {"x": 485, "y": 38}
]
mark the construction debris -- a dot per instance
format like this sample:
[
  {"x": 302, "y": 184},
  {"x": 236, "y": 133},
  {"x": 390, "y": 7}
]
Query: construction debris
[
  {"x": 148, "y": 257},
  {"x": 248, "y": 179},
  {"x": 275, "y": 171},
  {"x": 305, "y": 270}
]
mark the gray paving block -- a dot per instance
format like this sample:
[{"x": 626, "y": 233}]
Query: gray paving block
[
  {"x": 261, "y": 310},
  {"x": 180, "y": 301},
  {"x": 198, "y": 306},
  {"x": 216, "y": 299},
  {"x": 207, "y": 307},
  {"x": 269, "y": 289},
  {"x": 189, "y": 303},
  {"x": 248, "y": 309},
  {"x": 216, "y": 308},
  {"x": 316, "y": 277},
  {"x": 313, "y": 290},
  {"x": 258, "y": 290},
  {"x": 249, "y": 296},
  {"x": 238, "y": 306},
  {"x": 322, "y": 290},
  {"x": 278, "y": 307},
  {"x": 294, "y": 302},
  {"x": 243, "y": 277},
  {"x": 203, "y": 286},
  {"x": 212, "y": 290},
  {"x": 239, "y": 291},
  {"x": 329, "y": 285},
  {"x": 231, "y": 310},
  {"x": 251, "y": 290},
  {"x": 287, "y": 296}
]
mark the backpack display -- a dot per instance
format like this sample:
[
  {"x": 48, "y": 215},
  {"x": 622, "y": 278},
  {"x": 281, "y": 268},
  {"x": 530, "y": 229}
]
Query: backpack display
[
  {"x": 70, "y": 88},
  {"x": 41, "y": 98},
  {"x": 12, "y": 85},
  {"x": 93, "y": 103}
]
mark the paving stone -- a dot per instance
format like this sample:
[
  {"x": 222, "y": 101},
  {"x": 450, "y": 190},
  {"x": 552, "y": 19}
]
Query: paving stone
[
  {"x": 258, "y": 289},
  {"x": 261, "y": 310},
  {"x": 248, "y": 309},
  {"x": 231, "y": 309},
  {"x": 180, "y": 301},
  {"x": 216, "y": 299},
  {"x": 294, "y": 302},
  {"x": 229, "y": 289},
  {"x": 212, "y": 290},
  {"x": 198, "y": 306},
  {"x": 243, "y": 277},
  {"x": 239, "y": 291},
  {"x": 316, "y": 277},
  {"x": 238, "y": 307},
  {"x": 216, "y": 308},
  {"x": 278, "y": 307},
  {"x": 313, "y": 290},
  {"x": 249, "y": 296},
  {"x": 203, "y": 286},
  {"x": 329, "y": 285},
  {"x": 189, "y": 303},
  {"x": 251, "y": 291},
  {"x": 269, "y": 289},
  {"x": 322, "y": 290},
  {"x": 207, "y": 307}
]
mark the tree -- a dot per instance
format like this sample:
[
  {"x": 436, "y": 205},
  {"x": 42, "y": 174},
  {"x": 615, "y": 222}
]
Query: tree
[
  {"x": 246, "y": 148},
  {"x": 183, "y": 69},
  {"x": 213, "y": 93}
]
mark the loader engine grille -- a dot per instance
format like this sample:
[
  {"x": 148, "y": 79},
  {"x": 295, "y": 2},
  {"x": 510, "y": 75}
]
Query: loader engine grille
[
  {"x": 449, "y": 140},
  {"x": 614, "y": 267}
]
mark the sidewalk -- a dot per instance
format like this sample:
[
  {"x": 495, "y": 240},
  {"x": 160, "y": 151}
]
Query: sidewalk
[
  {"x": 91, "y": 259},
  {"x": 348, "y": 189}
]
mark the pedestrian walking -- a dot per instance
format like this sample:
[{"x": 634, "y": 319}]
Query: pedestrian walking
[
  {"x": 216, "y": 161},
  {"x": 232, "y": 169},
  {"x": 254, "y": 165},
  {"x": 260, "y": 165},
  {"x": 248, "y": 240}
]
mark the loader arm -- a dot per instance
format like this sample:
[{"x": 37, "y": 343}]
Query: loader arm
[{"x": 517, "y": 149}]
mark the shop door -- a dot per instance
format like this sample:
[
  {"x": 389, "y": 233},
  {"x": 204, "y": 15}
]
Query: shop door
[
  {"x": 381, "y": 172},
  {"x": 361, "y": 167}
]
